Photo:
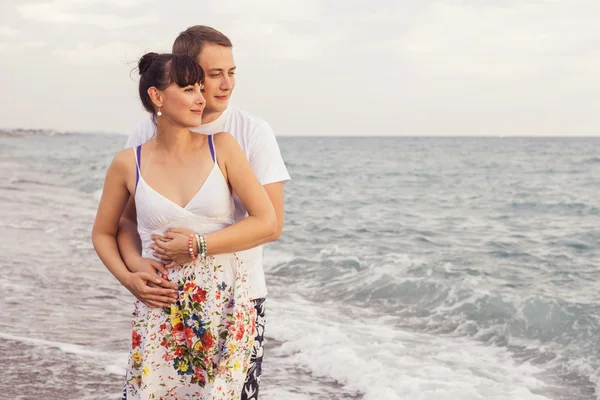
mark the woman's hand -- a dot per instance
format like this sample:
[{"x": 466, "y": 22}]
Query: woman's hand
[
  {"x": 172, "y": 247},
  {"x": 141, "y": 264}
]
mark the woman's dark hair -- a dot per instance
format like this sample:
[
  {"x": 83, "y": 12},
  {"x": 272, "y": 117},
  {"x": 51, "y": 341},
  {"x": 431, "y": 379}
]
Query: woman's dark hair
[{"x": 161, "y": 70}]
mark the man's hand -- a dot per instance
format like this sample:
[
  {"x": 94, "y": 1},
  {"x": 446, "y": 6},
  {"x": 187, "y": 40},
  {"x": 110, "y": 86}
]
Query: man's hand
[
  {"x": 153, "y": 297},
  {"x": 152, "y": 284},
  {"x": 172, "y": 247}
]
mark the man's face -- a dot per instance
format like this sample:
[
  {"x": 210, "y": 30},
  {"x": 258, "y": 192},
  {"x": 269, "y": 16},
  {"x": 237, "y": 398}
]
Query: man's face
[{"x": 219, "y": 77}]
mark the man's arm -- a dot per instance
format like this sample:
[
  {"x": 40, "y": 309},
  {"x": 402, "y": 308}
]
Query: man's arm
[
  {"x": 130, "y": 245},
  {"x": 267, "y": 164},
  {"x": 275, "y": 193}
]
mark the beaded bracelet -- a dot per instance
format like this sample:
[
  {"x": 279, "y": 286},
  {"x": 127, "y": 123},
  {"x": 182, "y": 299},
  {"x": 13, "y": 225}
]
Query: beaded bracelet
[
  {"x": 202, "y": 252},
  {"x": 198, "y": 246},
  {"x": 191, "y": 246}
]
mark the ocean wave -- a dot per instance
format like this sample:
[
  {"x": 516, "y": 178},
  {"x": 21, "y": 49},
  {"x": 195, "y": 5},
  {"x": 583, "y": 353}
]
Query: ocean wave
[
  {"x": 549, "y": 206},
  {"x": 68, "y": 348},
  {"x": 592, "y": 160},
  {"x": 365, "y": 355},
  {"x": 450, "y": 300}
]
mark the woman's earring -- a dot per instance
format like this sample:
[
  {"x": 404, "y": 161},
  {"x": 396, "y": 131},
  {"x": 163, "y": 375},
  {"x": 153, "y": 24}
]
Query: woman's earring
[{"x": 159, "y": 113}]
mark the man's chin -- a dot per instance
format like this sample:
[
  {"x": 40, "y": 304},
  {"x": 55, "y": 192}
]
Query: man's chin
[
  {"x": 217, "y": 105},
  {"x": 209, "y": 113},
  {"x": 220, "y": 108}
]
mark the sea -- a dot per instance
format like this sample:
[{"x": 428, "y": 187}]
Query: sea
[{"x": 426, "y": 268}]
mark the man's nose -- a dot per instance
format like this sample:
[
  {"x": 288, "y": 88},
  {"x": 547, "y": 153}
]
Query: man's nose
[{"x": 227, "y": 82}]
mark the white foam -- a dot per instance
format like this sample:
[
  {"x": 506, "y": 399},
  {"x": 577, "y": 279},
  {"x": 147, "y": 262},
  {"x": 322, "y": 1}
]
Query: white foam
[
  {"x": 282, "y": 394},
  {"x": 97, "y": 195},
  {"x": 272, "y": 258},
  {"x": 118, "y": 368},
  {"x": 369, "y": 356},
  {"x": 114, "y": 362}
]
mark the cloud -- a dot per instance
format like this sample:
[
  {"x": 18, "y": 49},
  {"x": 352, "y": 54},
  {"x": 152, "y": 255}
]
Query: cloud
[
  {"x": 34, "y": 43},
  {"x": 498, "y": 41},
  {"x": 269, "y": 10},
  {"x": 273, "y": 41},
  {"x": 74, "y": 12},
  {"x": 269, "y": 29},
  {"x": 7, "y": 31},
  {"x": 110, "y": 53},
  {"x": 381, "y": 66}
]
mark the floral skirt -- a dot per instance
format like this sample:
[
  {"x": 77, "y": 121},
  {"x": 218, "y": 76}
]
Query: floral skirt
[{"x": 200, "y": 347}]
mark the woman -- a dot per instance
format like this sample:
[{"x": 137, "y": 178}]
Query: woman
[{"x": 198, "y": 347}]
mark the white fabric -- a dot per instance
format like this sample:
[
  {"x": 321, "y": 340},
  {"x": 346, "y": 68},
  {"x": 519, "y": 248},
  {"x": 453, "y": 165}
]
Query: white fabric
[
  {"x": 200, "y": 347},
  {"x": 257, "y": 140}
]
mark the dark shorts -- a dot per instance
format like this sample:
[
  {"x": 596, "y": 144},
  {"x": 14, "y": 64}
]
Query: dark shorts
[{"x": 250, "y": 391}]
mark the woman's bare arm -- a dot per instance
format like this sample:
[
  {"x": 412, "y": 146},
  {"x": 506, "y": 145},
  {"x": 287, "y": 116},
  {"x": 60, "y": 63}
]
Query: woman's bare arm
[{"x": 112, "y": 203}]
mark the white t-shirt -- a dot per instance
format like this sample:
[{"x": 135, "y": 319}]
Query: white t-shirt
[{"x": 257, "y": 140}]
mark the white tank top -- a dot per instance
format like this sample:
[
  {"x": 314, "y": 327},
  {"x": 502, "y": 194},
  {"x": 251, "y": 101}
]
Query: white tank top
[{"x": 210, "y": 209}]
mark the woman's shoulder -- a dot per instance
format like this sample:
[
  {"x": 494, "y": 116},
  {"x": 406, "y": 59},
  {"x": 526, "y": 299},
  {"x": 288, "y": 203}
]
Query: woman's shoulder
[
  {"x": 124, "y": 160},
  {"x": 227, "y": 147},
  {"x": 225, "y": 141},
  {"x": 222, "y": 136}
]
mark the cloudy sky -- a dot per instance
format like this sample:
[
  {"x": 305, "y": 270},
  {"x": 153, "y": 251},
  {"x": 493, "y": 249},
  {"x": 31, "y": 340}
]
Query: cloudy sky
[{"x": 318, "y": 67}]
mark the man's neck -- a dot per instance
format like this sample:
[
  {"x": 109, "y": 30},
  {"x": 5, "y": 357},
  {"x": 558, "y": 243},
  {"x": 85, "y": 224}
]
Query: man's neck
[{"x": 208, "y": 117}]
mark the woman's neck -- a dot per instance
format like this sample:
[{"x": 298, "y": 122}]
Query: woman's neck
[{"x": 173, "y": 138}]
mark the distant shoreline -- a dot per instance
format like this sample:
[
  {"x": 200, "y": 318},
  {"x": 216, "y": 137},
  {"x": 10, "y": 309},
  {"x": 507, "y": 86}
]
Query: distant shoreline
[
  {"x": 29, "y": 132},
  {"x": 51, "y": 132}
]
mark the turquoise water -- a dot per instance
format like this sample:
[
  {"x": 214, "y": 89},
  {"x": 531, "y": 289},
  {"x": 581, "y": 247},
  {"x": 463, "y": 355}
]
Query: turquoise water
[{"x": 409, "y": 268}]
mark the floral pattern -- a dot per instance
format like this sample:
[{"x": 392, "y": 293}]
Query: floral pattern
[{"x": 200, "y": 347}]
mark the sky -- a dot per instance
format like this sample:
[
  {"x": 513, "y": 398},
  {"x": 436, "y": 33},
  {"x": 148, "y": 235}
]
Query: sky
[{"x": 318, "y": 67}]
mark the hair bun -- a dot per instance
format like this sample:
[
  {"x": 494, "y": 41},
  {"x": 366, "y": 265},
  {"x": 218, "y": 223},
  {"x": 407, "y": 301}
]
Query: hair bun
[{"x": 146, "y": 61}]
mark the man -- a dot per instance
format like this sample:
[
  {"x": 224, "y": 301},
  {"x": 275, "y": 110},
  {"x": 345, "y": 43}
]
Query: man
[{"x": 213, "y": 51}]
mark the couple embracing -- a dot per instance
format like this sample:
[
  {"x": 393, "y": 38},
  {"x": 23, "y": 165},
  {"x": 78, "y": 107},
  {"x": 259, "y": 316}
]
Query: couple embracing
[{"x": 184, "y": 211}]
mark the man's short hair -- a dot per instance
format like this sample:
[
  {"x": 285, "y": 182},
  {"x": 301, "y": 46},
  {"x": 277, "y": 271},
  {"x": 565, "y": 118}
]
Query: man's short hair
[{"x": 191, "y": 41}]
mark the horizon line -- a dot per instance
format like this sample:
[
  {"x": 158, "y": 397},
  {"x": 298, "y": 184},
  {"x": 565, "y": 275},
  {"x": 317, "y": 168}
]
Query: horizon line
[{"x": 334, "y": 135}]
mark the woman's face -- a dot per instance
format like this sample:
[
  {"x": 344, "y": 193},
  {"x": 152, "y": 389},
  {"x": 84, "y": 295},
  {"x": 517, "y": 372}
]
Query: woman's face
[{"x": 183, "y": 105}]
